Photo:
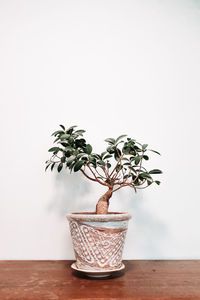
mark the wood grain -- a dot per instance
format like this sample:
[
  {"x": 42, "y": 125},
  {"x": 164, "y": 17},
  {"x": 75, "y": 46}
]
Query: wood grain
[{"x": 52, "y": 280}]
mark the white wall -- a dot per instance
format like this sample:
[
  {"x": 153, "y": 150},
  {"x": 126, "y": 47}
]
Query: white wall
[{"x": 111, "y": 67}]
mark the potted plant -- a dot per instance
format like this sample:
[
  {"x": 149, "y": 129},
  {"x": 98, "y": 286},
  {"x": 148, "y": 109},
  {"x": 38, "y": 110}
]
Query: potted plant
[{"x": 98, "y": 237}]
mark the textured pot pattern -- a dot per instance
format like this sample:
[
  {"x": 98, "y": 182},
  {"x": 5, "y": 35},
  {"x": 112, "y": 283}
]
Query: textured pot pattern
[{"x": 98, "y": 240}]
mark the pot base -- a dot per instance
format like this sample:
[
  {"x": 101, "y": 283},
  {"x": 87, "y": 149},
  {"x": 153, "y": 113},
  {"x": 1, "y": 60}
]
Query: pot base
[{"x": 97, "y": 274}]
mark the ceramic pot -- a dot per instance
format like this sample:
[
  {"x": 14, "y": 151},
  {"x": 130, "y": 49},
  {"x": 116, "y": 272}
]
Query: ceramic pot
[{"x": 98, "y": 241}]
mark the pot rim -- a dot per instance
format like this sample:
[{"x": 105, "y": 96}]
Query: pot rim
[{"x": 91, "y": 216}]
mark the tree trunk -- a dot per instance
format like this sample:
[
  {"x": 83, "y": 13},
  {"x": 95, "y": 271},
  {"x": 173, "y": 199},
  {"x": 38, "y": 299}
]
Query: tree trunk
[{"x": 103, "y": 203}]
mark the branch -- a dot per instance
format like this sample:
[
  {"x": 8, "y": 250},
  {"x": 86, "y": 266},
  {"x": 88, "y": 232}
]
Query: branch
[
  {"x": 99, "y": 174},
  {"x": 87, "y": 175},
  {"x": 96, "y": 179},
  {"x": 119, "y": 161}
]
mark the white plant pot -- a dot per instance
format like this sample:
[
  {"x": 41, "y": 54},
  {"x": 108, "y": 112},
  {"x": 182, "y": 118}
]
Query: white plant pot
[{"x": 98, "y": 241}]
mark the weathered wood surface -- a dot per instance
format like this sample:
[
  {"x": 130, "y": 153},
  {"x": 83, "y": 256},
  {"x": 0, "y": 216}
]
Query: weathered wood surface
[{"x": 52, "y": 280}]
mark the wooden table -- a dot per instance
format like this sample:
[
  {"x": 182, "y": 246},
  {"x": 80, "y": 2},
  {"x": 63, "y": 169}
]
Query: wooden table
[{"x": 53, "y": 280}]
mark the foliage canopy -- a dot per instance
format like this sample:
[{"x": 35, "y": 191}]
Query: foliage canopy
[{"x": 120, "y": 165}]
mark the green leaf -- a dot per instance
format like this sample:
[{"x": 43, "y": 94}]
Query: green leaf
[
  {"x": 126, "y": 150},
  {"x": 103, "y": 153},
  {"x": 144, "y": 146},
  {"x": 107, "y": 156},
  {"x": 120, "y": 137},
  {"x": 101, "y": 163},
  {"x": 117, "y": 154},
  {"x": 80, "y": 155},
  {"x": 110, "y": 141},
  {"x": 157, "y": 182},
  {"x": 125, "y": 158},
  {"x": 56, "y": 139},
  {"x": 54, "y": 149},
  {"x": 145, "y": 175},
  {"x": 63, "y": 127},
  {"x": 52, "y": 166},
  {"x": 154, "y": 151},
  {"x": 88, "y": 149},
  {"x": 155, "y": 171},
  {"x": 137, "y": 160},
  {"x": 57, "y": 132},
  {"x": 80, "y": 132},
  {"x": 60, "y": 166},
  {"x": 68, "y": 148},
  {"x": 63, "y": 159},
  {"x": 63, "y": 144},
  {"x": 110, "y": 149},
  {"x": 137, "y": 149},
  {"x": 149, "y": 182},
  {"x": 47, "y": 167},
  {"x": 92, "y": 160},
  {"x": 96, "y": 155},
  {"x": 126, "y": 164},
  {"x": 64, "y": 137},
  {"x": 78, "y": 165},
  {"x": 72, "y": 127},
  {"x": 145, "y": 157},
  {"x": 71, "y": 158},
  {"x": 108, "y": 165}
]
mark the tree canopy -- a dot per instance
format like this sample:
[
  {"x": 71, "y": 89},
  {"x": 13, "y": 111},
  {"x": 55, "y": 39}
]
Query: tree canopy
[{"x": 120, "y": 165}]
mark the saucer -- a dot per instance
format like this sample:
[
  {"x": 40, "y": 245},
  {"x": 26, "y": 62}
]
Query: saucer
[{"x": 97, "y": 273}]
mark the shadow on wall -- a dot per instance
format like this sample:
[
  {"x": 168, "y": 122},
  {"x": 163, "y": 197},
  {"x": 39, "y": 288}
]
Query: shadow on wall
[
  {"x": 69, "y": 189},
  {"x": 147, "y": 233}
]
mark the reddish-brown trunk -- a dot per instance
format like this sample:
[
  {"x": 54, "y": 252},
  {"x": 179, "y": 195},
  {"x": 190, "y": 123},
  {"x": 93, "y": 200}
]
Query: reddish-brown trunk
[{"x": 103, "y": 203}]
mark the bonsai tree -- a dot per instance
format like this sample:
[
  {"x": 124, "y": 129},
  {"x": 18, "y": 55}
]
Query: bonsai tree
[{"x": 120, "y": 165}]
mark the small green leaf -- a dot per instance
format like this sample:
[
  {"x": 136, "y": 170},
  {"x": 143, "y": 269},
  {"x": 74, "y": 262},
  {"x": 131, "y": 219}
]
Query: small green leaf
[
  {"x": 96, "y": 155},
  {"x": 149, "y": 182},
  {"x": 57, "y": 139},
  {"x": 110, "y": 141},
  {"x": 144, "y": 146},
  {"x": 52, "y": 166},
  {"x": 126, "y": 150},
  {"x": 117, "y": 154},
  {"x": 110, "y": 149},
  {"x": 80, "y": 155},
  {"x": 63, "y": 127},
  {"x": 64, "y": 137},
  {"x": 120, "y": 137},
  {"x": 72, "y": 127},
  {"x": 57, "y": 132},
  {"x": 154, "y": 151},
  {"x": 107, "y": 156},
  {"x": 137, "y": 160},
  {"x": 78, "y": 165},
  {"x": 101, "y": 163},
  {"x": 54, "y": 149},
  {"x": 155, "y": 171},
  {"x": 68, "y": 148},
  {"x": 71, "y": 158},
  {"x": 47, "y": 167},
  {"x": 88, "y": 149},
  {"x": 108, "y": 165},
  {"x": 103, "y": 153},
  {"x": 80, "y": 132},
  {"x": 60, "y": 166},
  {"x": 63, "y": 159},
  {"x": 145, "y": 157},
  {"x": 145, "y": 175},
  {"x": 157, "y": 182}
]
